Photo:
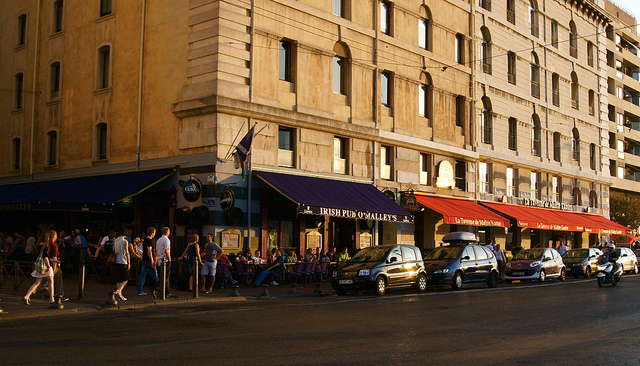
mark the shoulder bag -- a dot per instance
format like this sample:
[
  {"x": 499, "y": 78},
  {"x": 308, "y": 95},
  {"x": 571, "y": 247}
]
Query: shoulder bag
[{"x": 40, "y": 265}]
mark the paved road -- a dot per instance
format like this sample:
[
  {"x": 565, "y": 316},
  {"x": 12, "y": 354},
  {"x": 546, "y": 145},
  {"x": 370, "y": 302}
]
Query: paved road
[{"x": 554, "y": 323}]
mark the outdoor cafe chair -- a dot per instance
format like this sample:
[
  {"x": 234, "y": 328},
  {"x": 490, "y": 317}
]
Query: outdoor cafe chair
[
  {"x": 299, "y": 271},
  {"x": 309, "y": 270},
  {"x": 223, "y": 273},
  {"x": 241, "y": 272},
  {"x": 321, "y": 272}
]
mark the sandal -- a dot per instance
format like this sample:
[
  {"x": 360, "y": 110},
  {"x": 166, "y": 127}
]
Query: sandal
[
  {"x": 52, "y": 302},
  {"x": 26, "y": 301}
]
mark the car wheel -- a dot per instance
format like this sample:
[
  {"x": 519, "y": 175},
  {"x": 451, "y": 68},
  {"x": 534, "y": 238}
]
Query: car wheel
[
  {"x": 493, "y": 280},
  {"x": 421, "y": 284},
  {"x": 381, "y": 286},
  {"x": 600, "y": 281},
  {"x": 543, "y": 276},
  {"x": 457, "y": 281},
  {"x": 587, "y": 272},
  {"x": 341, "y": 292},
  {"x": 563, "y": 275}
]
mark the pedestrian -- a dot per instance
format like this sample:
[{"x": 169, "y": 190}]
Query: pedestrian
[
  {"x": 148, "y": 264},
  {"x": 499, "y": 253},
  {"x": 560, "y": 247},
  {"x": 163, "y": 251},
  {"x": 491, "y": 246},
  {"x": 192, "y": 253},
  {"x": 55, "y": 263},
  {"x": 212, "y": 252},
  {"x": 120, "y": 269},
  {"x": 47, "y": 273}
]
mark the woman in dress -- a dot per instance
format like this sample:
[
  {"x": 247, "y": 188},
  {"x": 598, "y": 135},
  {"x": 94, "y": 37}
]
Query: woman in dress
[
  {"x": 120, "y": 269},
  {"x": 42, "y": 244},
  {"x": 192, "y": 253}
]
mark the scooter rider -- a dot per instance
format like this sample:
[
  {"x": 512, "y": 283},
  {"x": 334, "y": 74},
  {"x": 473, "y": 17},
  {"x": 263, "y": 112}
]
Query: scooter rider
[{"x": 609, "y": 257}]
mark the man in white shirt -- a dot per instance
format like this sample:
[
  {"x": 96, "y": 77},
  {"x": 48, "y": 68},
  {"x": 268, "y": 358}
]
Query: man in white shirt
[
  {"x": 31, "y": 240},
  {"x": 560, "y": 247},
  {"x": 163, "y": 252}
]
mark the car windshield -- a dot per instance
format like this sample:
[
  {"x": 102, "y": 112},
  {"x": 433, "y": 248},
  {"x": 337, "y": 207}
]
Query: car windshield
[
  {"x": 528, "y": 255},
  {"x": 444, "y": 253},
  {"x": 578, "y": 253},
  {"x": 371, "y": 254}
]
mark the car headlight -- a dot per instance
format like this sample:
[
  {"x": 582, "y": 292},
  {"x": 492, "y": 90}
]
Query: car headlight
[
  {"x": 535, "y": 264},
  {"x": 444, "y": 270},
  {"x": 509, "y": 265},
  {"x": 364, "y": 272}
]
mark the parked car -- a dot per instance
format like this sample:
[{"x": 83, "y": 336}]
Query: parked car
[
  {"x": 381, "y": 267},
  {"x": 461, "y": 262},
  {"x": 627, "y": 258},
  {"x": 581, "y": 262},
  {"x": 536, "y": 264}
]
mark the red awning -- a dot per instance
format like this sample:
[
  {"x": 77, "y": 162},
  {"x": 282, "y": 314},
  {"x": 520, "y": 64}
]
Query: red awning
[
  {"x": 462, "y": 211},
  {"x": 602, "y": 225}
]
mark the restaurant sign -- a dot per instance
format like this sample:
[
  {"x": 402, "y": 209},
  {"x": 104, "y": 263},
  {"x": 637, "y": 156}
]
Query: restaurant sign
[
  {"x": 550, "y": 226},
  {"x": 474, "y": 221},
  {"x": 191, "y": 190},
  {"x": 354, "y": 214},
  {"x": 545, "y": 204},
  {"x": 227, "y": 200}
]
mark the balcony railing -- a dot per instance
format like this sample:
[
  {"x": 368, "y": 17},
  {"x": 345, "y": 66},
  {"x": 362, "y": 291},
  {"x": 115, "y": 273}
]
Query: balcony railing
[
  {"x": 633, "y": 176},
  {"x": 486, "y": 67},
  {"x": 634, "y": 100}
]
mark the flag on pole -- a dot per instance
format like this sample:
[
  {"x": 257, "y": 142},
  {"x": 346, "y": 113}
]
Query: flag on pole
[{"x": 240, "y": 155}]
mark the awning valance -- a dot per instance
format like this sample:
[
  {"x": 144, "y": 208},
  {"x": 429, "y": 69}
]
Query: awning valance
[
  {"x": 462, "y": 211},
  {"x": 320, "y": 196}
]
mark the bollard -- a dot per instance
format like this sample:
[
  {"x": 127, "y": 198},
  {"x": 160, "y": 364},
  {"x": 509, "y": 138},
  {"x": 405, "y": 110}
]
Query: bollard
[
  {"x": 112, "y": 299},
  {"x": 81, "y": 274},
  {"x": 16, "y": 270},
  {"x": 195, "y": 278},
  {"x": 318, "y": 290},
  {"x": 57, "y": 303},
  {"x": 163, "y": 282},
  {"x": 265, "y": 291},
  {"x": 293, "y": 289},
  {"x": 235, "y": 293}
]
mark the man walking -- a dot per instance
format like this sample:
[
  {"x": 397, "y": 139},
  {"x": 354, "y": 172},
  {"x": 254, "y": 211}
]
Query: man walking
[
  {"x": 163, "y": 251},
  {"x": 148, "y": 264}
]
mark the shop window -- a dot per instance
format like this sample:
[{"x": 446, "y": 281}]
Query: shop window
[
  {"x": 459, "y": 49},
  {"x": 385, "y": 89},
  {"x": 535, "y": 76},
  {"x": 424, "y": 30},
  {"x": 536, "y": 136},
  {"x": 22, "y": 30},
  {"x": 58, "y": 8},
  {"x": 513, "y": 134},
  {"x": 105, "y": 7},
  {"x": 485, "y": 50},
  {"x": 575, "y": 91},
  {"x": 386, "y": 162},
  {"x": 554, "y": 33},
  {"x": 425, "y": 169},
  {"x": 555, "y": 89},
  {"x": 104, "y": 67},
  {"x": 19, "y": 91},
  {"x": 52, "y": 148},
  {"x": 511, "y": 67},
  {"x": 385, "y": 17},
  {"x": 486, "y": 121},
  {"x": 533, "y": 18},
  {"x": 511, "y": 182},
  {"x": 535, "y": 185},
  {"x": 101, "y": 141},
  {"x": 484, "y": 181},
  {"x": 340, "y": 156},
  {"x": 286, "y": 146},
  {"x": 54, "y": 80},
  {"x": 15, "y": 154},
  {"x": 461, "y": 174},
  {"x": 557, "y": 153},
  {"x": 285, "y": 64},
  {"x": 511, "y": 11},
  {"x": 575, "y": 144},
  {"x": 573, "y": 40}
]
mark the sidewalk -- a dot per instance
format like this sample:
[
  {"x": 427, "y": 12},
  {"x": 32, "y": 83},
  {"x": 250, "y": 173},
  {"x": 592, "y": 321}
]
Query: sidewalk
[{"x": 96, "y": 296}]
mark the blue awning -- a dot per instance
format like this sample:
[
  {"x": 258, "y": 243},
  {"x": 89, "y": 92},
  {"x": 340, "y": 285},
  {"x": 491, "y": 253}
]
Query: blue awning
[
  {"x": 97, "y": 193},
  {"x": 319, "y": 196}
]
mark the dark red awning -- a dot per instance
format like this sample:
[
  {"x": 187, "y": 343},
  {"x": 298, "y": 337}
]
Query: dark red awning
[{"x": 462, "y": 211}]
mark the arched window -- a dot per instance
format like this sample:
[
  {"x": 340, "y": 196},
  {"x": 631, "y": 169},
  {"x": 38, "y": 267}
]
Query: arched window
[
  {"x": 15, "y": 153},
  {"x": 485, "y": 121},
  {"x": 341, "y": 69},
  {"x": 557, "y": 152},
  {"x": 575, "y": 91},
  {"x": 575, "y": 144},
  {"x": 485, "y": 50},
  {"x": 424, "y": 29},
  {"x": 52, "y": 148},
  {"x": 103, "y": 77},
  {"x": 424, "y": 96},
  {"x": 101, "y": 141},
  {"x": 577, "y": 196},
  {"x": 536, "y": 136},
  {"x": 535, "y": 76},
  {"x": 533, "y": 18},
  {"x": 573, "y": 39}
]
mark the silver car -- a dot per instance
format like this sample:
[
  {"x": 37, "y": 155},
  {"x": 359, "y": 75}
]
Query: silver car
[{"x": 627, "y": 258}]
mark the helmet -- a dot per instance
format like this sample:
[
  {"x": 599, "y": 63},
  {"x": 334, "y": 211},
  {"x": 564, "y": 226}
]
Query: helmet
[{"x": 612, "y": 246}]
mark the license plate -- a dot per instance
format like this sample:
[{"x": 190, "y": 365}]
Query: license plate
[
  {"x": 518, "y": 273},
  {"x": 345, "y": 282}
]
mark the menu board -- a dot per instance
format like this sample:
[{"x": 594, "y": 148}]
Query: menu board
[
  {"x": 365, "y": 240},
  {"x": 314, "y": 239},
  {"x": 230, "y": 239}
]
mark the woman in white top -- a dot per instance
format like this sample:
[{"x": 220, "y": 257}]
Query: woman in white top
[
  {"x": 120, "y": 269},
  {"x": 43, "y": 247}
]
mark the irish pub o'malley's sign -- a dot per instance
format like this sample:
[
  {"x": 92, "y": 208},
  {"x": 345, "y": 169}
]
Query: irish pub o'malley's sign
[{"x": 354, "y": 214}]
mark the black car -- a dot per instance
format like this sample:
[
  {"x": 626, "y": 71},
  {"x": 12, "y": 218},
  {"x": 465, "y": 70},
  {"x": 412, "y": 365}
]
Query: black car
[
  {"x": 380, "y": 267},
  {"x": 461, "y": 262}
]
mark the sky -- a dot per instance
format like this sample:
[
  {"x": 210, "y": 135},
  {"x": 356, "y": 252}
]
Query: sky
[{"x": 632, "y": 6}]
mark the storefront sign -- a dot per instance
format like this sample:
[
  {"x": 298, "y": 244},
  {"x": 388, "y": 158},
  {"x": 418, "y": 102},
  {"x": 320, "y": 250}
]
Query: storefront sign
[
  {"x": 475, "y": 222},
  {"x": 409, "y": 203},
  {"x": 227, "y": 200},
  {"x": 545, "y": 204},
  {"x": 354, "y": 214},
  {"x": 365, "y": 240},
  {"x": 191, "y": 190},
  {"x": 230, "y": 239},
  {"x": 445, "y": 178},
  {"x": 15, "y": 207},
  {"x": 314, "y": 239}
]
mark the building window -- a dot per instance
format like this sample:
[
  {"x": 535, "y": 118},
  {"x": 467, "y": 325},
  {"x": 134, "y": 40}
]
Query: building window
[
  {"x": 577, "y": 196},
  {"x": 555, "y": 189},
  {"x": 555, "y": 87},
  {"x": 57, "y": 16},
  {"x": 54, "y": 80},
  {"x": 513, "y": 134},
  {"x": 424, "y": 30},
  {"x": 535, "y": 76},
  {"x": 22, "y": 29},
  {"x": 511, "y": 67},
  {"x": 459, "y": 48},
  {"x": 105, "y": 7},
  {"x": 19, "y": 90},
  {"x": 593, "y": 158},
  {"x": 573, "y": 40},
  {"x": 592, "y": 102},
  {"x": 535, "y": 185},
  {"x": 511, "y": 11},
  {"x": 461, "y": 174},
  {"x": 425, "y": 169},
  {"x": 460, "y": 108},
  {"x": 485, "y": 121},
  {"x": 590, "y": 54},
  {"x": 620, "y": 172},
  {"x": 485, "y": 50},
  {"x": 620, "y": 122},
  {"x": 386, "y": 162},
  {"x": 486, "y": 4},
  {"x": 511, "y": 182},
  {"x": 484, "y": 170},
  {"x": 536, "y": 136},
  {"x": 104, "y": 67},
  {"x": 533, "y": 18},
  {"x": 101, "y": 141},
  {"x": 284, "y": 61},
  {"x": 424, "y": 97},
  {"x": 593, "y": 199},
  {"x": 557, "y": 153},
  {"x": 575, "y": 145},
  {"x": 385, "y": 89},
  {"x": 554, "y": 33},
  {"x": 340, "y": 8},
  {"x": 52, "y": 148},
  {"x": 286, "y": 146},
  {"x": 15, "y": 158},
  {"x": 340, "y": 69},
  {"x": 385, "y": 17},
  {"x": 575, "y": 91},
  {"x": 340, "y": 146}
]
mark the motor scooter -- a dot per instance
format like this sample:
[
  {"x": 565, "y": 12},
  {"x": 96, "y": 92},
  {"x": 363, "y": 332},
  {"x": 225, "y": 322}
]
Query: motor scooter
[{"x": 606, "y": 274}]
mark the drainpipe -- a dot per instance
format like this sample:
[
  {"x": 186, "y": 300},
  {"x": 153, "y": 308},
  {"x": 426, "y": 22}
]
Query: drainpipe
[
  {"x": 34, "y": 92},
  {"x": 140, "y": 81},
  {"x": 376, "y": 27}
]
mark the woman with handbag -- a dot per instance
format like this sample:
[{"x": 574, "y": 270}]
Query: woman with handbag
[
  {"x": 43, "y": 269},
  {"x": 122, "y": 264}
]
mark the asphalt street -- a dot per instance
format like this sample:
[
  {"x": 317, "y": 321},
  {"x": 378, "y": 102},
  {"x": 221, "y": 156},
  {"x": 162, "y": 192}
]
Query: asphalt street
[{"x": 554, "y": 323}]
